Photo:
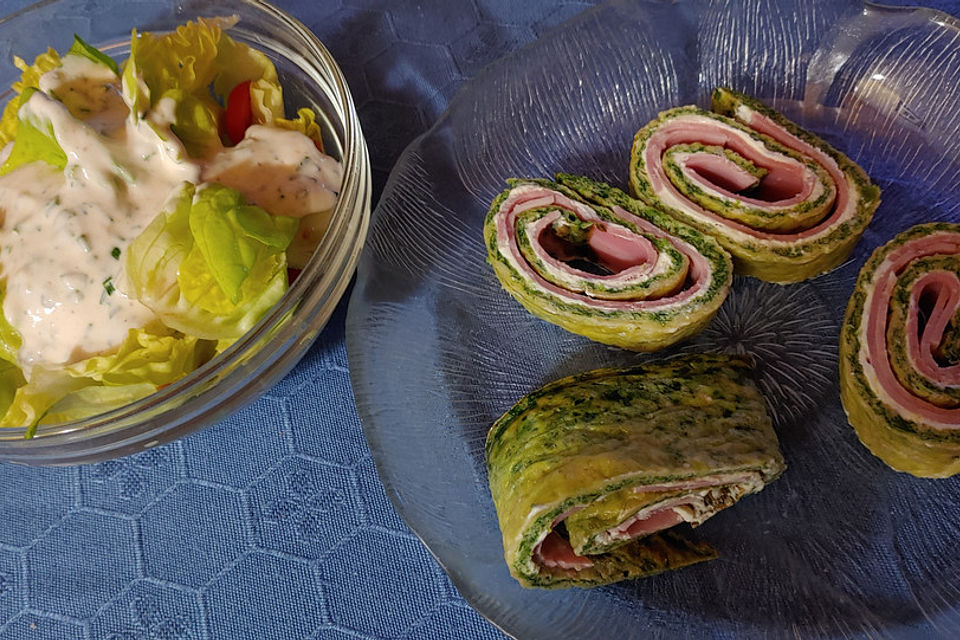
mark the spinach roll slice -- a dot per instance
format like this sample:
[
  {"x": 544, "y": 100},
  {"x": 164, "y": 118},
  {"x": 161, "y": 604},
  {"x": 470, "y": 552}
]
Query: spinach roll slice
[
  {"x": 786, "y": 204},
  {"x": 590, "y": 473},
  {"x": 587, "y": 257},
  {"x": 900, "y": 352}
]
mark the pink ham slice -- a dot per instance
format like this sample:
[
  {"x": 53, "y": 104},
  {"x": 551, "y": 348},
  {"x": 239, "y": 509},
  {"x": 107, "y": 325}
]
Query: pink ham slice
[
  {"x": 555, "y": 551},
  {"x": 787, "y": 182},
  {"x": 946, "y": 287},
  {"x": 720, "y": 172},
  {"x": 617, "y": 249},
  {"x": 653, "y": 522},
  {"x": 620, "y": 249}
]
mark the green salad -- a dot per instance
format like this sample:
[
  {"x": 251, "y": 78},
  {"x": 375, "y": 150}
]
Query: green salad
[{"x": 152, "y": 212}]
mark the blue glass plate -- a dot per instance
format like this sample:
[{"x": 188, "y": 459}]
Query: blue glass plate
[{"x": 840, "y": 546}]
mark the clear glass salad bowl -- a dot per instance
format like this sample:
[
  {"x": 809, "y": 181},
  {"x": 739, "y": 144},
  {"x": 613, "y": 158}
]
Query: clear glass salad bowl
[
  {"x": 840, "y": 546},
  {"x": 310, "y": 78}
]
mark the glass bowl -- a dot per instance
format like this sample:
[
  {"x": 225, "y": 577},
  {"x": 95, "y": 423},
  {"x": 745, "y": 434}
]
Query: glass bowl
[
  {"x": 840, "y": 546},
  {"x": 310, "y": 78}
]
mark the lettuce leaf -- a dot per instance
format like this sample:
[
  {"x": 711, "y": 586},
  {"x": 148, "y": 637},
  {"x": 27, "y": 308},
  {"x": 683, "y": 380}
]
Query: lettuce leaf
[
  {"x": 196, "y": 122},
  {"x": 31, "y": 401},
  {"x": 11, "y": 377},
  {"x": 134, "y": 88},
  {"x": 178, "y": 66},
  {"x": 81, "y": 48},
  {"x": 210, "y": 265},
  {"x": 158, "y": 358},
  {"x": 266, "y": 101},
  {"x": 89, "y": 401},
  {"x": 196, "y": 66},
  {"x": 181, "y": 60},
  {"x": 233, "y": 237},
  {"x": 305, "y": 123},
  {"x": 236, "y": 63},
  {"x": 29, "y": 79},
  {"x": 35, "y": 139},
  {"x": 144, "y": 362},
  {"x": 10, "y": 339}
]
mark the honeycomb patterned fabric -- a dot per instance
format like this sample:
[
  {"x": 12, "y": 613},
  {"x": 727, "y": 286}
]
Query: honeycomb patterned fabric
[{"x": 272, "y": 524}]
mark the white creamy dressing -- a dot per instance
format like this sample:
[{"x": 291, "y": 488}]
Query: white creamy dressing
[
  {"x": 90, "y": 91},
  {"x": 283, "y": 172},
  {"x": 64, "y": 234},
  {"x": 279, "y": 170}
]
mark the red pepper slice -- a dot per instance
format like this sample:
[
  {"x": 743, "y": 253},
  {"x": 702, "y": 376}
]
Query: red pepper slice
[{"x": 239, "y": 114}]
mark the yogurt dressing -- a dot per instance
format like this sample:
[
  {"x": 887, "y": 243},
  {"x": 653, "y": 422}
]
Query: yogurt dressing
[
  {"x": 89, "y": 90},
  {"x": 279, "y": 170},
  {"x": 64, "y": 234}
]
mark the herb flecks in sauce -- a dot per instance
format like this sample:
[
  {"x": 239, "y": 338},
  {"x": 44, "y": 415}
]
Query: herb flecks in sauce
[
  {"x": 92, "y": 160},
  {"x": 61, "y": 222}
]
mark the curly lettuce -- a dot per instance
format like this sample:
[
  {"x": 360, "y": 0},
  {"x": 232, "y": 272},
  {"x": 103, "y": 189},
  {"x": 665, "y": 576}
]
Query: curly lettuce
[
  {"x": 195, "y": 67},
  {"x": 144, "y": 362},
  {"x": 236, "y": 63},
  {"x": 305, "y": 123},
  {"x": 29, "y": 79}
]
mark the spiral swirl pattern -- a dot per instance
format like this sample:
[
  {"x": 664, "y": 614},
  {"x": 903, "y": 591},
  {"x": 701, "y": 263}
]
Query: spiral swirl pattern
[
  {"x": 900, "y": 352},
  {"x": 587, "y": 257},
  {"x": 784, "y": 203}
]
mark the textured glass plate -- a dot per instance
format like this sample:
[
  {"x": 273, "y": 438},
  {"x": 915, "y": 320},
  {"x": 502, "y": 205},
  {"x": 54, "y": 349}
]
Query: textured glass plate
[{"x": 840, "y": 546}]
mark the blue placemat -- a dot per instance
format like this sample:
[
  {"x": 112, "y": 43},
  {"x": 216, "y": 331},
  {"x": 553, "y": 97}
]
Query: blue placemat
[{"x": 272, "y": 524}]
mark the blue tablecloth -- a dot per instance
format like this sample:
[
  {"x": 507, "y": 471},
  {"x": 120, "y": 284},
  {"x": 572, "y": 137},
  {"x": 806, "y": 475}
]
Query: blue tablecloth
[{"x": 272, "y": 524}]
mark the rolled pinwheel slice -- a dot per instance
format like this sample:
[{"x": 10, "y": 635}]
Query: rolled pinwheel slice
[
  {"x": 900, "y": 352},
  {"x": 590, "y": 473},
  {"x": 589, "y": 258},
  {"x": 786, "y": 204}
]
